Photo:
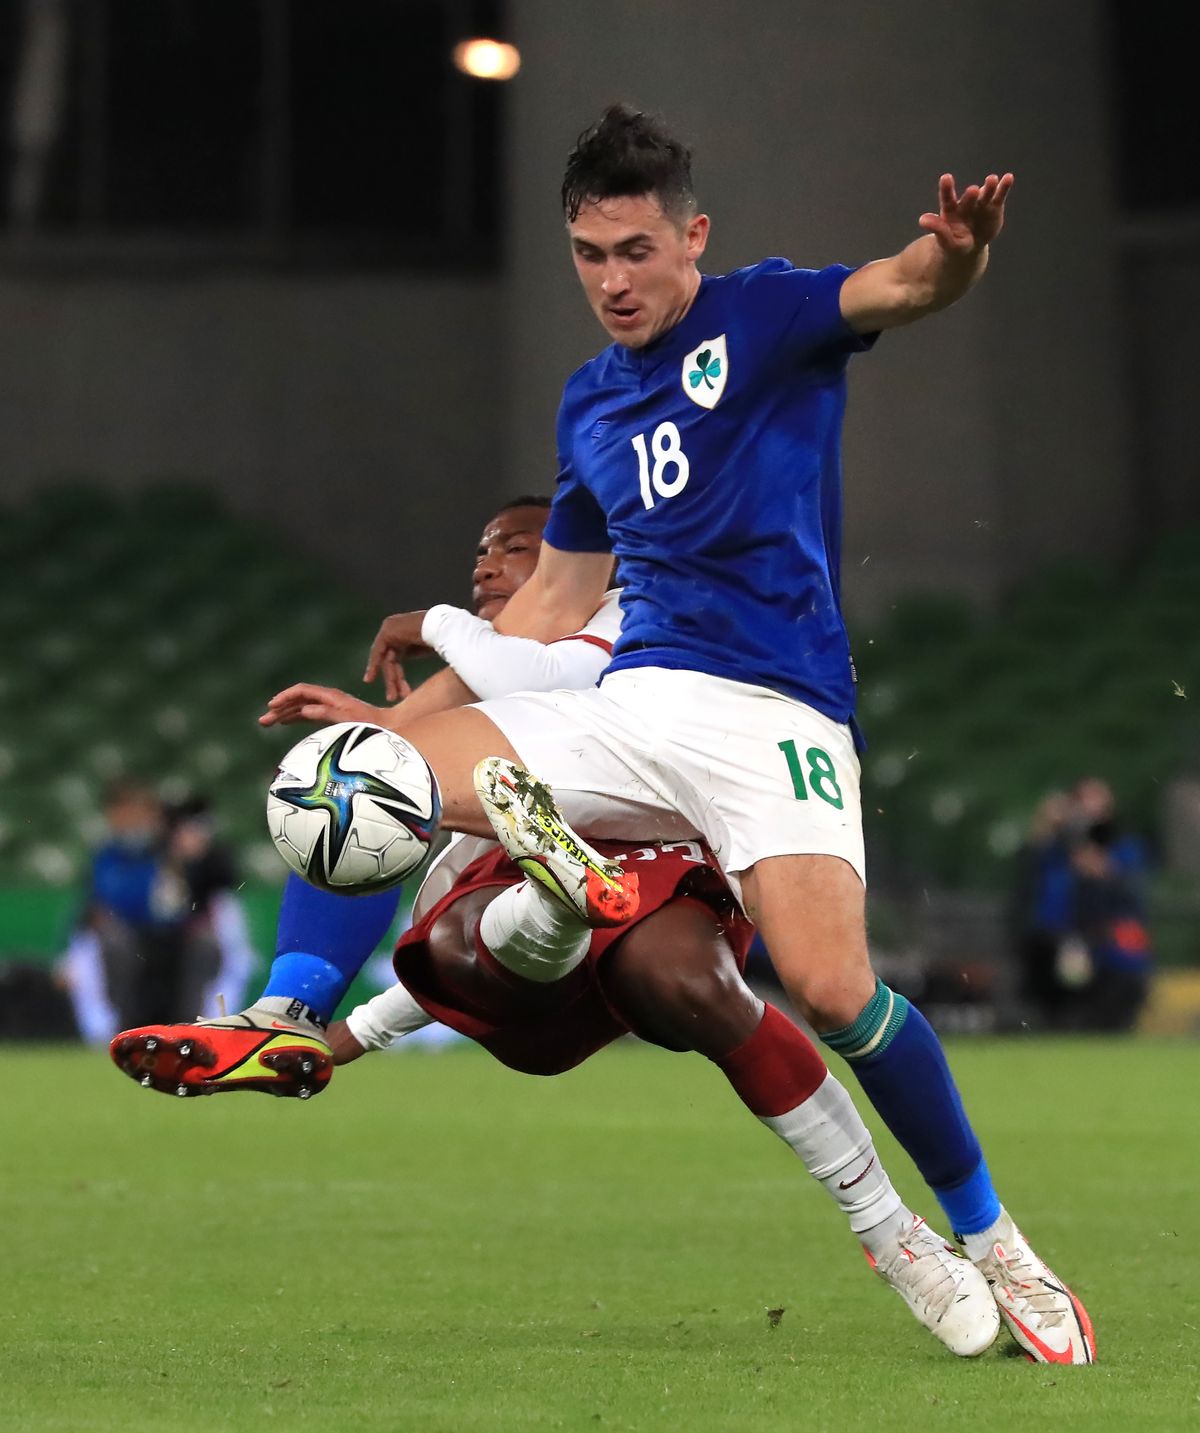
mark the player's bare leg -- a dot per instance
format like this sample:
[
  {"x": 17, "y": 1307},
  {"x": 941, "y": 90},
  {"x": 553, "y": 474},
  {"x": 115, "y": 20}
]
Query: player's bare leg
[
  {"x": 811, "y": 913},
  {"x": 454, "y": 743}
]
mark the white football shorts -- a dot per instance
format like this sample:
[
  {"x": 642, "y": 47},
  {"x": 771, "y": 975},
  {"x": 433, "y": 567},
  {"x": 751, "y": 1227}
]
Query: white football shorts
[{"x": 656, "y": 754}]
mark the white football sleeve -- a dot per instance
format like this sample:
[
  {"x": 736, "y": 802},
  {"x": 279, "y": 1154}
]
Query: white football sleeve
[{"x": 495, "y": 665}]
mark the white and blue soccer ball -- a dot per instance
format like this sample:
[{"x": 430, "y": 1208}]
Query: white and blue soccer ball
[{"x": 353, "y": 808}]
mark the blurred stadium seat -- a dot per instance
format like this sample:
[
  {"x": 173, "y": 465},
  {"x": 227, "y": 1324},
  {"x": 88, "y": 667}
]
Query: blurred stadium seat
[
  {"x": 970, "y": 722},
  {"x": 145, "y": 632},
  {"x": 143, "y": 636}
]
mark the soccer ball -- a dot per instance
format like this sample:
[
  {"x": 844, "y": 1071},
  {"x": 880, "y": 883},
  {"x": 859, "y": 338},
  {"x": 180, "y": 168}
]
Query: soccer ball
[{"x": 353, "y": 808}]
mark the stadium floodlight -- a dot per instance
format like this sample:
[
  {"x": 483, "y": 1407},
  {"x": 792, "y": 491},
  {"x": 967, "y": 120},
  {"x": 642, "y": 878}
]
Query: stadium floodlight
[{"x": 487, "y": 59}]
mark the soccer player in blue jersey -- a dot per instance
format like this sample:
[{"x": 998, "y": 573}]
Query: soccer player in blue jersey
[{"x": 702, "y": 449}]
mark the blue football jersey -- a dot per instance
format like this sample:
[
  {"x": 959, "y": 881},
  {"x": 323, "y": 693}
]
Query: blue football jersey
[{"x": 709, "y": 463}]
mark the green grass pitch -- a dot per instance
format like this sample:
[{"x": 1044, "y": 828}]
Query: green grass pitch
[{"x": 439, "y": 1244}]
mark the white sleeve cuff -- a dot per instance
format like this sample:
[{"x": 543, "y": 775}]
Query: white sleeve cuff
[{"x": 392, "y": 1013}]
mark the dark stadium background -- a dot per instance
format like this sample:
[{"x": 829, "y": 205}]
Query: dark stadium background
[{"x": 285, "y": 309}]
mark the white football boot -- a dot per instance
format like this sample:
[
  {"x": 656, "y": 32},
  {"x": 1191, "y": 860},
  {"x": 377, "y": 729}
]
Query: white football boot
[
  {"x": 529, "y": 826},
  {"x": 1042, "y": 1314},
  {"x": 945, "y": 1292}
]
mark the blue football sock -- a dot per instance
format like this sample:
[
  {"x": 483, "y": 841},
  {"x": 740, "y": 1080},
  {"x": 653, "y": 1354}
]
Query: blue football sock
[
  {"x": 899, "y": 1063},
  {"x": 323, "y": 941}
]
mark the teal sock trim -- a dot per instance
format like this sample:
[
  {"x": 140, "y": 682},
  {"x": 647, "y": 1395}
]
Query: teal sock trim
[{"x": 875, "y": 1027}]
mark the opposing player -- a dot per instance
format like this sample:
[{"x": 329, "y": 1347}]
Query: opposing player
[{"x": 702, "y": 449}]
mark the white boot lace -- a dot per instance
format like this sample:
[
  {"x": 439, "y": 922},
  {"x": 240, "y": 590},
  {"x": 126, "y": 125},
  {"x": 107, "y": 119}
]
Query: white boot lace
[
  {"x": 1029, "y": 1286},
  {"x": 924, "y": 1268}
]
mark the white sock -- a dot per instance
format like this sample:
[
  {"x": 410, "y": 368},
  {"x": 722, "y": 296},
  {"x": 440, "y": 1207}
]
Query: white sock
[
  {"x": 287, "y": 1008},
  {"x": 534, "y": 935},
  {"x": 828, "y": 1134},
  {"x": 979, "y": 1246},
  {"x": 389, "y": 1015}
]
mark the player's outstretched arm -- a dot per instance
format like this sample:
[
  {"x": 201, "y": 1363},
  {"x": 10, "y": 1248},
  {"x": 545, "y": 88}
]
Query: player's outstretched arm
[
  {"x": 936, "y": 269},
  {"x": 442, "y": 692},
  {"x": 481, "y": 663},
  {"x": 306, "y": 701}
]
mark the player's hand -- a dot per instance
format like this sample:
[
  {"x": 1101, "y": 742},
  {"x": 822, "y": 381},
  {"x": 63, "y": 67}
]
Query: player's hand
[
  {"x": 967, "y": 222},
  {"x": 306, "y": 702},
  {"x": 399, "y": 636}
]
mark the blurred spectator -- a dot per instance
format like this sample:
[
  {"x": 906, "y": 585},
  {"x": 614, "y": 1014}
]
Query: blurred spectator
[
  {"x": 218, "y": 958},
  {"x": 1082, "y": 936},
  {"x": 160, "y": 927},
  {"x": 1110, "y": 865},
  {"x": 1042, "y": 909}
]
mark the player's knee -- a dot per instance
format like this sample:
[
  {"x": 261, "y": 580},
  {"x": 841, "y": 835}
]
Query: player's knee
[
  {"x": 689, "y": 995},
  {"x": 707, "y": 1009},
  {"x": 675, "y": 982},
  {"x": 833, "y": 999}
]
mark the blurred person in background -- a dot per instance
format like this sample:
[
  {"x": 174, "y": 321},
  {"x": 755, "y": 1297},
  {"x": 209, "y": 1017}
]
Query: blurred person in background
[
  {"x": 129, "y": 927},
  {"x": 1082, "y": 936},
  {"x": 159, "y": 923},
  {"x": 1109, "y": 865},
  {"x": 1042, "y": 898},
  {"x": 217, "y": 959}
]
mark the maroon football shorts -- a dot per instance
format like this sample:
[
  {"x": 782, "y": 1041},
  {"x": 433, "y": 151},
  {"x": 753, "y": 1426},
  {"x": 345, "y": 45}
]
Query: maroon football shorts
[{"x": 558, "y": 1030}]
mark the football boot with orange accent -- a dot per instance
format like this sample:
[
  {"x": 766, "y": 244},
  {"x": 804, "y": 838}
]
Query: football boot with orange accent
[
  {"x": 1042, "y": 1314},
  {"x": 530, "y": 827},
  {"x": 256, "y": 1050}
]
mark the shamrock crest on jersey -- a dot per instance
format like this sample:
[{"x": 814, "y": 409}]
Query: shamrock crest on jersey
[{"x": 704, "y": 372}]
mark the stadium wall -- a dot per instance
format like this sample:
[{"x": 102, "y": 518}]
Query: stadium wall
[
  {"x": 978, "y": 444},
  {"x": 1162, "y": 295},
  {"x": 358, "y": 415}
]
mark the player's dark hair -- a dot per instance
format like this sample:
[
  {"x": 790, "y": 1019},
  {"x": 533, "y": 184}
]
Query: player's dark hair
[
  {"x": 530, "y": 500},
  {"x": 628, "y": 153}
]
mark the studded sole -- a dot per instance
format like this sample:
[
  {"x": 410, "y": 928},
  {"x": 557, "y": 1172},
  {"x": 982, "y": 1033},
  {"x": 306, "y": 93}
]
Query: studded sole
[{"x": 182, "y": 1066}]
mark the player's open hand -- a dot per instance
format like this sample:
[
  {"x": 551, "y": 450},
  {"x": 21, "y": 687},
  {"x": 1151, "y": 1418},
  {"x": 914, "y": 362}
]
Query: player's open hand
[
  {"x": 399, "y": 636},
  {"x": 966, "y": 222},
  {"x": 307, "y": 702}
]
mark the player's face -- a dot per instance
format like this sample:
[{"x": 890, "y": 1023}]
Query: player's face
[
  {"x": 637, "y": 266},
  {"x": 506, "y": 557}
]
